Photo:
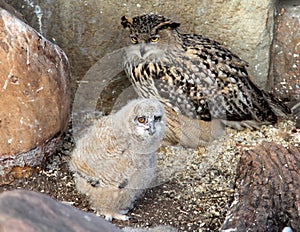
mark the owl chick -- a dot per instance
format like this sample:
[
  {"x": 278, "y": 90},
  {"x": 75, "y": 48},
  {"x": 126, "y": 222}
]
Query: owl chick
[
  {"x": 114, "y": 161},
  {"x": 195, "y": 76}
]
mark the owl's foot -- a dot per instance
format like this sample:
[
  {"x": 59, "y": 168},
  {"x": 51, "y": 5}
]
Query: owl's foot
[{"x": 118, "y": 216}]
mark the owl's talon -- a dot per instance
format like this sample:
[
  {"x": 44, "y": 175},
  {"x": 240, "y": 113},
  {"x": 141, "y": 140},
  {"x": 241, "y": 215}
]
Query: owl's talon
[
  {"x": 117, "y": 216},
  {"x": 121, "y": 217},
  {"x": 108, "y": 217}
]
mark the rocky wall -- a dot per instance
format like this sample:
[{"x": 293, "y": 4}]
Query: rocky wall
[{"x": 87, "y": 30}]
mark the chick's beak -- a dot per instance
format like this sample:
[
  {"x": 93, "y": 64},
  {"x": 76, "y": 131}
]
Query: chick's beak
[{"x": 152, "y": 128}]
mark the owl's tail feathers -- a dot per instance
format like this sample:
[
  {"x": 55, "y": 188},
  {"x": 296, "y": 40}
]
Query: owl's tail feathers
[
  {"x": 190, "y": 132},
  {"x": 278, "y": 106}
]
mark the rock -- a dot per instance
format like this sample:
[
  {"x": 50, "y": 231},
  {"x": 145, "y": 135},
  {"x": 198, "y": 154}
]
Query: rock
[
  {"x": 267, "y": 193},
  {"x": 34, "y": 94},
  {"x": 22, "y": 210},
  {"x": 155, "y": 229},
  {"x": 285, "y": 73},
  {"x": 245, "y": 27}
]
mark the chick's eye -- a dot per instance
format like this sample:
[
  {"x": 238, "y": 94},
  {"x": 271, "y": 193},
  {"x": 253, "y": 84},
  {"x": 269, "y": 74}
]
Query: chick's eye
[
  {"x": 134, "y": 39},
  {"x": 154, "y": 39},
  {"x": 141, "y": 119},
  {"x": 157, "y": 118}
]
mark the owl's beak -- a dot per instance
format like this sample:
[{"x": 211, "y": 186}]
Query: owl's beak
[
  {"x": 142, "y": 49},
  {"x": 152, "y": 128}
]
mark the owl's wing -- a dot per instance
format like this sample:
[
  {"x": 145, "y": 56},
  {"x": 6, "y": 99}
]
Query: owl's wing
[
  {"x": 206, "y": 48},
  {"x": 83, "y": 170},
  {"x": 102, "y": 154},
  {"x": 212, "y": 82}
]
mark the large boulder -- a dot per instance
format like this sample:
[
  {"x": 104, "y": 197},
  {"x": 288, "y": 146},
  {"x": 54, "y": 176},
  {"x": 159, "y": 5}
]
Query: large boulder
[
  {"x": 285, "y": 71},
  {"x": 245, "y": 27},
  {"x": 22, "y": 210},
  {"x": 34, "y": 94}
]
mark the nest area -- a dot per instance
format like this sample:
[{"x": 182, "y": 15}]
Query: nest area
[{"x": 193, "y": 190}]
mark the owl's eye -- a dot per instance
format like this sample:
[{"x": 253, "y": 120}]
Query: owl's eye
[
  {"x": 141, "y": 119},
  {"x": 157, "y": 118},
  {"x": 134, "y": 39},
  {"x": 154, "y": 39}
]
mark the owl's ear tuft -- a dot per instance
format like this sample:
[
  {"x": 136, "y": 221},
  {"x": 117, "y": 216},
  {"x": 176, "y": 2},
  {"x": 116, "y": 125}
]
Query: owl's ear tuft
[
  {"x": 173, "y": 25},
  {"x": 126, "y": 22},
  {"x": 166, "y": 25}
]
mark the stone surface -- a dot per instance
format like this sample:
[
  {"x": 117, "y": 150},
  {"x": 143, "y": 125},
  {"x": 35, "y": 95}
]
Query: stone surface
[
  {"x": 155, "y": 229},
  {"x": 34, "y": 94},
  {"x": 285, "y": 72},
  {"x": 22, "y": 210},
  {"x": 245, "y": 27}
]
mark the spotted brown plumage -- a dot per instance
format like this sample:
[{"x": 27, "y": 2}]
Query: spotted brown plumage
[{"x": 194, "y": 75}]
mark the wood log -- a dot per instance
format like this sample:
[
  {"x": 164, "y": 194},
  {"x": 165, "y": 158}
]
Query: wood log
[{"x": 267, "y": 196}]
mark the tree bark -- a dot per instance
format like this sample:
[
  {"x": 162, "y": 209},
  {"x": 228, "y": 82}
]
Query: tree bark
[{"x": 267, "y": 196}]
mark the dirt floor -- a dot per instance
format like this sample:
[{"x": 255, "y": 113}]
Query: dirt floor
[
  {"x": 161, "y": 205},
  {"x": 194, "y": 187}
]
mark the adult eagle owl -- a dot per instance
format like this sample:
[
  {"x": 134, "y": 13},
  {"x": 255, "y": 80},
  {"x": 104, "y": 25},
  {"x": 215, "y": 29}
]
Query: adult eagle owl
[{"x": 195, "y": 76}]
